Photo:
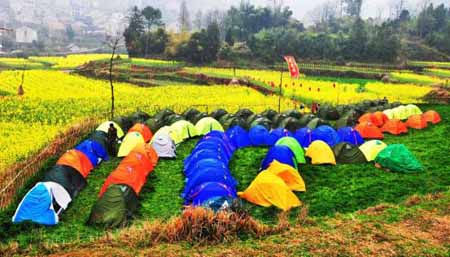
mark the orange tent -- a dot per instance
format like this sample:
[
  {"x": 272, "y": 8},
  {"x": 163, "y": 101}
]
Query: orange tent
[
  {"x": 416, "y": 122},
  {"x": 432, "y": 116},
  {"x": 369, "y": 130},
  {"x": 149, "y": 151},
  {"x": 78, "y": 161},
  {"x": 394, "y": 127},
  {"x": 368, "y": 117},
  {"x": 380, "y": 118},
  {"x": 132, "y": 171},
  {"x": 143, "y": 130}
]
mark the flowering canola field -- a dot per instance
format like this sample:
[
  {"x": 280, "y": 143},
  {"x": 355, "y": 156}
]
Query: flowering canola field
[
  {"x": 54, "y": 100},
  {"x": 70, "y": 61},
  {"x": 337, "y": 92}
]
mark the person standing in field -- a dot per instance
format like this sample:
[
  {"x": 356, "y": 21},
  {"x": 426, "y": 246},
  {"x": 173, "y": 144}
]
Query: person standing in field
[{"x": 112, "y": 139}]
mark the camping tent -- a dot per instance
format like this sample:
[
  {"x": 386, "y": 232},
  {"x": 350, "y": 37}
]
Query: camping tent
[
  {"x": 326, "y": 134},
  {"x": 289, "y": 175},
  {"x": 66, "y": 176},
  {"x": 400, "y": 112},
  {"x": 432, "y": 116},
  {"x": 320, "y": 153},
  {"x": 143, "y": 130},
  {"x": 208, "y": 174},
  {"x": 345, "y": 121},
  {"x": 413, "y": 109},
  {"x": 219, "y": 113},
  {"x": 380, "y": 118},
  {"x": 369, "y": 131},
  {"x": 317, "y": 122},
  {"x": 304, "y": 137},
  {"x": 398, "y": 158},
  {"x": 200, "y": 154},
  {"x": 209, "y": 190},
  {"x": 268, "y": 189},
  {"x": 149, "y": 151},
  {"x": 125, "y": 123},
  {"x": 184, "y": 129},
  {"x": 94, "y": 151},
  {"x": 76, "y": 160},
  {"x": 115, "y": 207},
  {"x": 38, "y": 205},
  {"x": 139, "y": 116},
  {"x": 238, "y": 137},
  {"x": 244, "y": 113},
  {"x": 416, "y": 122},
  {"x": 280, "y": 153},
  {"x": 206, "y": 125},
  {"x": 258, "y": 135},
  {"x": 130, "y": 141},
  {"x": 394, "y": 127},
  {"x": 190, "y": 114},
  {"x": 350, "y": 135},
  {"x": 99, "y": 137},
  {"x": 389, "y": 113},
  {"x": 164, "y": 145},
  {"x": 346, "y": 153},
  {"x": 172, "y": 132},
  {"x": 291, "y": 124},
  {"x": 105, "y": 126},
  {"x": 204, "y": 163},
  {"x": 276, "y": 134},
  {"x": 371, "y": 149},
  {"x": 295, "y": 147},
  {"x": 261, "y": 122}
]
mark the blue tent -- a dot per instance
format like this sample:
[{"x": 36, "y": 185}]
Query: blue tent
[
  {"x": 326, "y": 134},
  {"x": 211, "y": 145},
  {"x": 304, "y": 137},
  {"x": 192, "y": 160},
  {"x": 210, "y": 141},
  {"x": 282, "y": 154},
  {"x": 223, "y": 136},
  {"x": 94, "y": 151},
  {"x": 350, "y": 135},
  {"x": 276, "y": 134},
  {"x": 258, "y": 135},
  {"x": 210, "y": 162},
  {"x": 239, "y": 137},
  {"x": 208, "y": 175},
  {"x": 209, "y": 190}
]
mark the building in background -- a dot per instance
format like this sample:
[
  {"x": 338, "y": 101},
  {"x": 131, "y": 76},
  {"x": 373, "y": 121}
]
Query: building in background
[{"x": 26, "y": 35}]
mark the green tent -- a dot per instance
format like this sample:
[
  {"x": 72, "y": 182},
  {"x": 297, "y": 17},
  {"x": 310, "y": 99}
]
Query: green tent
[
  {"x": 263, "y": 122},
  {"x": 234, "y": 121},
  {"x": 163, "y": 114},
  {"x": 276, "y": 121},
  {"x": 244, "y": 113},
  {"x": 252, "y": 118},
  {"x": 171, "y": 119},
  {"x": 346, "y": 153},
  {"x": 398, "y": 158},
  {"x": 291, "y": 124},
  {"x": 154, "y": 124},
  {"x": 269, "y": 114},
  {"x": 317, "y": 122},
  {"x": 345, "y": 121},
  {"x": 296, "y": 148},
  {"x": 219, "y": 113},
  {"x": 190, "y": 113},
  {"x": 198, "y": 117},
  {"x": 139, "y": 117},
  {"x": 184, "y": 129},
  {"x": 306, "y": 119},
  {"x": 115, "y": 207},
  {"x": 293, "y": 113},
  {"x": 328, "y": 112},
  {"x": 124, "y": 122}
]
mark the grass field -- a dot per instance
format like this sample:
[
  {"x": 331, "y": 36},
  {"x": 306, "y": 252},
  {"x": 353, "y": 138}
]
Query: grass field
[{"x": 331, "y": 191}]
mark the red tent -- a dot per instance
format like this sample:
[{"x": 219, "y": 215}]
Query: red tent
[
  {"x": 416, "y": 122},
  {"x": 381, "y": 118},
  {"x": 369, "y": 131},
  {"x": 432, "y": 116},
  {"x": 394, "y": 127},
  {"x": 143, "y": 130}
]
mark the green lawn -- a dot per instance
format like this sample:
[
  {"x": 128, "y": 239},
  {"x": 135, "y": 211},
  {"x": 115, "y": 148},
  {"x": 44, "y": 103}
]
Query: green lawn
[{"x": 330, "y": 190}]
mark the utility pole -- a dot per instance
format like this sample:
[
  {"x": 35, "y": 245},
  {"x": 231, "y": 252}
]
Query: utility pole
[{"x": 281, "y": 91}]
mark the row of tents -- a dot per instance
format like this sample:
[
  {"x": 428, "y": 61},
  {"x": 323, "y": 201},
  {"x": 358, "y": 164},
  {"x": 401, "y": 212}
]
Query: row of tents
[
  {"x": 48, "y": 199},
  {"x": 118, "y": 197}
]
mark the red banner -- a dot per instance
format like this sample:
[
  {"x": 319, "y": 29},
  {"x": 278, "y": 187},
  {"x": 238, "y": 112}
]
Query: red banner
[{"x": 292, "y": 64}]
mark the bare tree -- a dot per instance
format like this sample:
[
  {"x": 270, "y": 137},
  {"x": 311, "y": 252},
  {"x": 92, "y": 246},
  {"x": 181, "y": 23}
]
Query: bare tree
[
  {"x": 113, "y": 42},
  {"x": 198, "y": 20},
  {"x": 184, "y": 21}
]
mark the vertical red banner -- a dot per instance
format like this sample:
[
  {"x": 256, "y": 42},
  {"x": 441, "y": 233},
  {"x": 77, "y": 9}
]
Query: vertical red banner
[{"x": 292, "y": 65}]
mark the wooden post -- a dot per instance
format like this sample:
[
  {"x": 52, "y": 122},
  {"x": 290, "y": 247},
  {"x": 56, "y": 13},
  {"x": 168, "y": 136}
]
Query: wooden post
[{"x": 281, "y": 91}]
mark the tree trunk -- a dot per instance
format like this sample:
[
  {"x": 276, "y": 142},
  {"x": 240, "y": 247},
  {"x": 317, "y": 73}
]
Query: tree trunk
[{"x": 111, "y": 81}]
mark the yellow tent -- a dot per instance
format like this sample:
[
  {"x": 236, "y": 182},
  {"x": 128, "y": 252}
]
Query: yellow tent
[
  {"x": 184, "y": 129},
  {"x": 389, "y": 113},
  {"x": 320, "y": 153},
  {"x": 268, "y": 189},
  {"x": 130, "y": 141},
  {"x": 371, "y": 149},
  {"x": 169, "y": 131},
  {"x": 206, "y": 125},
  {"x": 105, "y": 126},
  {"x": 400, "y": 112},
  {"x": 288, "y": 174},
  {"x": 413, "y": 109}
]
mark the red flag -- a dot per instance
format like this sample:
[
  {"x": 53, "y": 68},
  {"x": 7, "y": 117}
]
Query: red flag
[{"x": 292, "y": 64}]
